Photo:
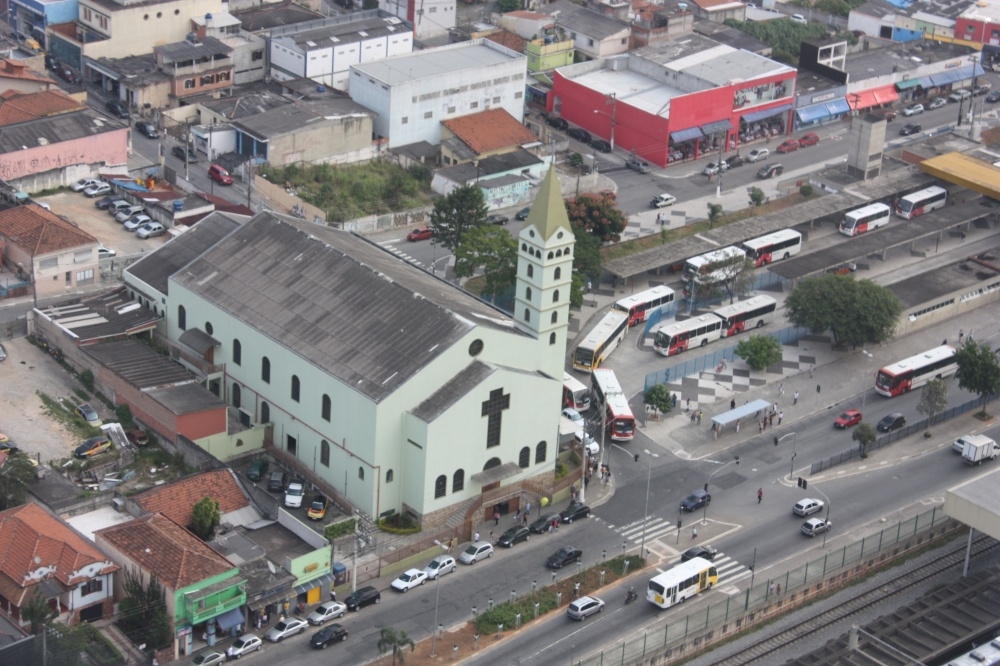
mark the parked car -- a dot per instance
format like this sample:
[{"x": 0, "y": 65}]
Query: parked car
[
  {"x": 475, "y": 552},
  {"x": 993, "y": 97},
  {"x": 67, "y": 75},
  {"x": 137, "y": 436},
  {"x": 409, "y": 579},
  {"x": 704, "y": 552},
  {"x": 500, "y": 220},
  {"x": 815, "y": 526},
  {"x": 913, "y": 110},
  {"x": 808, "y": 139},
  {"x": 105, "y": 252},
  {"x": 277, "y": 481},
  {"x": 544, "y": 521},
  {"x": 290, "y": 626},
  {"x": 93, "y": 447},
  {"x": 179, "y": 152},
  {"x": 959, "y": 95},
  {"x": 574, "y": 511},
  {"x": 584, "y": 606},
  {"x": 981, "y": 89},
  {"x": 317, "y": 508},
  {"x": 294, "y": 494},
  {"x": 557, "y": 122},
  {"x": 893, "y": 421},
  {"x": 117, "y": 206},
  {"x": 116, "y": 108},
  {"x": 363, "y": 596},
  {"x": 910, "y": 128},
  {"x": 758, "y": 154},
  {"x": 98, "y": 190},
  {"x": 634, "y": 163},
  {"x": 439, "y": 566},
  {"x": 150, "y": 229},
  {"x": 798, "y": 18},
  {"x": 734, "y": 161},
  {"x": 789, "y": 146},
  {"x": 136, "y": 221},
  {"x": 513, "y": 536},
  {"x": 887, "y": 115},
  {"x": 714, "y": 168},
  {"x": 335, "y": 633},
  {"x": 219, "y": 175},
  {"x": 523, "y": 214},
  {"x": 695, "y": 500},
  {"x": 574, "y": 416},
  {"x": 209, "y": 659},
  {"x": 663, "y": 200},
  {"x": 851, "y": 417},
  {"x": 258, "y": 469},
  {"x": 581, "y": 135},
  {"x": 807, "y": 507},
  {"x": 563, "y": 556},
  {"x": 245, "y": 644},
  {"x": 125, "y": 212},
  {"x": 84, "y": 183},
  {"x": 147, "y": 129},
  {"x": 104, "y": 202},
  {"x": 601, "y": 146},
  {"x": 326, "y": 611},
  {"x": 51, "y": 63},
  {"x": 937, "y": 103},
  {"x": 88, "y": 414},
  {"x": 419, "y": 234},
  {"x": 770, "y": 171}
]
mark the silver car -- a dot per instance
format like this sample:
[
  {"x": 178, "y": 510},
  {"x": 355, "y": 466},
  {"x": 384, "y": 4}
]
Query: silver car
[
  {"x": 815, "y": 526},
  {"x": 476, "y": 552},
  {"x": 439, "y": 566},
  {"x": 584, "y": 606},
  {"x": 287, "y": 627}
]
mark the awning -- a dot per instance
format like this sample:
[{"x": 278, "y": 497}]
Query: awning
[
  {"x": 686, "y": 134},
  {"x": 766, "y": 113},
  {"x": 862, "y": 100},
  {"x": 717, "y": 126},
  {"x": 229, "y": 619},
  {"x": 272, "y": 598},
  {"x": 809, "y": 114},
  {"x": 498, "y": 473},
  {"x": 315, "y": 582},
  {"x": 886, "y": 95},
  {"x": 741, "y": 412},
  {"x": 838, "y": 106},
  {"x": 198, "y": 340},
  {"x": 950, "y": 76},
  {"x": 909, "y": 83}
]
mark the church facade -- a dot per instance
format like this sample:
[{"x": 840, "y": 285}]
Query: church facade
[{"x": 399, "y": 389}]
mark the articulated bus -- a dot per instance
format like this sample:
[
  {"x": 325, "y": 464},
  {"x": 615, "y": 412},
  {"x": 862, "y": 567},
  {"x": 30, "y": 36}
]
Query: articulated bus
[
  {"x": 677, "y": 336},
  {"x": 772, "y": 247},
  {"x": 921, "y": 202},
  {"x": 914, "y": 372},
  {"x": 640, "y": 305},
  {"x": 603, "y": 339},
  {"x": 753, "y": 312},
  {"x": 864, "y": 219},
  {"x": 705, "y": 264},
  {"x": 618, "y": 418},
  {"x": 575, "y": 394},
  {"x": 684, "y": 581}
]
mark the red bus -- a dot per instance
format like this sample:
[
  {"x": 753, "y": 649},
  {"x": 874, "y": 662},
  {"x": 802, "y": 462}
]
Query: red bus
[
  {"x": 921, "y": 202},
  {"x": 575, "y": 394},
  {"x": 916, "y": 371},
  {"x": 618, "y": 418},
  {"x": 638, "y": 306}
]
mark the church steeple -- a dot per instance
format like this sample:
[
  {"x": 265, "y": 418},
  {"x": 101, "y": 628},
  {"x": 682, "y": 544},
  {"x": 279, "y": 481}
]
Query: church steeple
[{"x": 545, "y": 275}]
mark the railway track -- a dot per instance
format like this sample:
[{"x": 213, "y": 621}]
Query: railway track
[{"x": 886, "y": 591}]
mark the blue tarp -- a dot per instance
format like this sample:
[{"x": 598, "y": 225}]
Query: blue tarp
[
  {"x": 130, "y": 185},
  {"x": 229, "y": 619},
  {"x": 760, "y": 115},
  {"x": 809, "y": 114},
  {"x": 741, "y": 413},
  {"x": 685, "y": 134}
]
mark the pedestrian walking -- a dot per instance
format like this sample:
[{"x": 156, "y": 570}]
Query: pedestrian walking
[
  {"x": 694, "y": 416},
  {"x": 779, "y": 588},
  {"x": 781, "y": 415},
  {"x": 771, "y": 588},
  {"x": 737, "y": 425},
  {"x": 811, "y": 369},
  {"x": 760, "y": 495},
  {"x": 781, "y": 390},
  {"x": 700, "y": 414},
  {"x": 475, "y": 537},
  {"x": 524, "y": 519},
  {"x": 527, "y": 509},
  {"x": 492, "y": 540},
  {"x": 694, "y": 533},
  {"x": 970, "y": 333},
  {"x": 687, "y": 406},
  {"x": 496, "y": 517},
  {"x": 795, "y": 398},
  {"x": 760, "y": 427},
  {"x": 732, "y": 404},
  {"x": 770, "y": 420},
  {"x": 333, "y": 594},
  {"x": 961, "y": 334}
]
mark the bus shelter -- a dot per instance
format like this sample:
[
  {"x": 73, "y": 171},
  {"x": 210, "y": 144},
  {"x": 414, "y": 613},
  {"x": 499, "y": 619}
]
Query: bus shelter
[{"x": 741, "y": 413}]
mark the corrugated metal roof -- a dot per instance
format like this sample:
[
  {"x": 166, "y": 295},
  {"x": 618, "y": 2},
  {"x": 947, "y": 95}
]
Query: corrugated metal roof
[{"x": 965, "y": 170}]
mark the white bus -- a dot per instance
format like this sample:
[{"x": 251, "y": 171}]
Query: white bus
[
  {"x": 638, "y": 306},
  {"x": 575, "y": 393},
  {"x": 603, "y": 339},
  {"x": 684, "y": 581},
  {"x": 677, "y": 336},
  {"x": 705, "y": 264},
  {"x": 921, "y": 202},
  {"x": 864, "y": 219},
  {"x": 772, "y": 247},
  {"x": 753, "y": 313},
  {"x": 618, "y": 418},
  {"x": 914, "y": 372}
]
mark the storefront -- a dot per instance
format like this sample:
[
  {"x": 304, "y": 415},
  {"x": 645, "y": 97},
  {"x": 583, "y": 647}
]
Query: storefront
[
  {"x": 812, "y": 110},
  {"x": 872, "y": 98},
  {"x": 958, "y": 77},
  {"x": 764, "y": 124}
]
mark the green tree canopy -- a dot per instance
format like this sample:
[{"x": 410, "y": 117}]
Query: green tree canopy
[
  {"x": 759, "y": 351},
  {"x": 205, "y": 517},
  {"x": 854, "y": 311},
  {"x": 598, "y": 214},
  {"x": 394, "y": 641},
  {"x": 978, "y": 369},
  {"x": 36, "y": 611},
  {"x": 865, "y": 436},
  {"x": 757, "y": 196},
  {"x": 453, "y": 215},
  {"x": 783, "y": 35},
  {"x": 658, "y": 395},
  {"x": 714, "y": 213},
  {"x": 493, "y": 250},
  {"x": 732, "y": 277},
  {"x": 586, "y": 264},
  {"x": 933, "y": 399},
  {"x": 18, "y": 475}
]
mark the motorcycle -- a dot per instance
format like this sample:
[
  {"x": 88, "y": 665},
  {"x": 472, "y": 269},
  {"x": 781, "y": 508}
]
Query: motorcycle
[{"x": 631, "y": 596}]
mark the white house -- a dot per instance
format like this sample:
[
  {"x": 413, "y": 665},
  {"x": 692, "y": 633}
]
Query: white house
[{"x": 429, "y": 18}]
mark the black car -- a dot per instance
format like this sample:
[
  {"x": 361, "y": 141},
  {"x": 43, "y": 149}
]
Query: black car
[
  {"x": 601, "y": 145},
  {"x": 573, "y": 511},
  {"x": 770, "y": 171},
  {"x": 557, "y": 122},
  {"x": 696, "y": 500},
  {"x": 993, "y": 97},
  {"x": 364, "y": 596},
  {"x": 704, "y": 552},
  {"x": 544, "y": 521},
  {"x": 277, "y": 481},
  {"x": 331, "y": 633},
  {"x": 513, "y": 535},
  {"x": 909, "y": 128},
  {"x": 981, "y": 89},
  {"x": 178, "y": 152},
  {"x": 104, "y": 202},
  {"x": 523, "y": 214},
  {"x": 563, "y": 556},
  {"x": 116, "y": 108},
  {"x": 500, "y": 220},
  {"x": 893, "y": 421},
  {"x": 67, "y": 75},
  {"x": 581, "y": 135},
  {"x": 147, "y": 129},
  {"x": 734, "y": 161},
  {"x": 51, "y": 63}
]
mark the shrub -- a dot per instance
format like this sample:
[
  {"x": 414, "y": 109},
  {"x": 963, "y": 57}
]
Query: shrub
[
  {"x": 398, "y": 523},
  {"x": 87, "y": 379},
  {"x": 806, "y": 190},
  {"x": 340, "y": 529}
]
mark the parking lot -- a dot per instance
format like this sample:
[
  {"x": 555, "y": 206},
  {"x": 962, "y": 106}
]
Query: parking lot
[{"x": 80, "y": 210}]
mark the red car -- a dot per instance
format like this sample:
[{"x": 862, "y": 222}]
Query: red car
[
  {"x": 419, "y": 234},
  {"x": 851, "y": 417},
  {"x": 809, "y": 139},
  {"x": 789, "y": 146}
]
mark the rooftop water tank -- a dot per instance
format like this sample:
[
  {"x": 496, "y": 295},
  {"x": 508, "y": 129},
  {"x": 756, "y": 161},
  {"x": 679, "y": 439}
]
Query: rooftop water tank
[{"x": 178, "y": 205}]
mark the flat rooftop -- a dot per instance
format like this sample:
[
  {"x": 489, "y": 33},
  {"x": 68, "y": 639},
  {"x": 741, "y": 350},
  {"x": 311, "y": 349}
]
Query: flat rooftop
[
  {"x": 632, "y": 88},
  {"x": 441, "y": 61},
  {"x": 277, "y": 540},
  {"x": 902, "y": 58},
  {"x": 967, "y": 273}
]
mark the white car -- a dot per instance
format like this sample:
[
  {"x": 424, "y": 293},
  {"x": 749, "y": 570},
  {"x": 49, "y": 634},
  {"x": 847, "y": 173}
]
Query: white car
[
  {"x": 243, "y": 645},
  {"x": 476, "y": 552},
  {"x": 287, "y": 627},
  {"x": 798, "y": 18},
  {"x": 439, "y": 566},
  {"x": 663, "y": 200},
  {"x": 409, "y": 579},
  {"x": 913, "y": 109},
  {"x": 807, "y": 507},
  {"x": 574, "y": 416},
  {"x": 293, "y": 495},
  {"x": 105, "y": 252},
  {"x": 84, "y": 183},
  {"x": 714, "y": 168},
  {"x": 136, "y": 221},
  {"x": 327, "y": 611},
  {"x": 98, "y": 190},
  {"x": 758, "y": 154},
  {"x": 937, "y": 103},
  {"x": 150, "y": 229},
  {"x": 583, "y": 438}
]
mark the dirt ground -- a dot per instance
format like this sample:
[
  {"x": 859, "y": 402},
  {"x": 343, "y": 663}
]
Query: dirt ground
[{"x": 26, "y": 371}]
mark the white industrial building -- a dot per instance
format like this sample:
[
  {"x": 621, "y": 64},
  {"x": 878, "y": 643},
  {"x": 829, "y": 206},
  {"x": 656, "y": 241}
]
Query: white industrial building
[
  {"x": 430, "y": 18},
  {"x": 412, "y": 94}
]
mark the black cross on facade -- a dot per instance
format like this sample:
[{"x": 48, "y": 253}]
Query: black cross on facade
[{"x": 493, "y": 408}]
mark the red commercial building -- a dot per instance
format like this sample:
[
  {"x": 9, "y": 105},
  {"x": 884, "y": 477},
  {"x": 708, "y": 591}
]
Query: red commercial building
[{"x": 678, "y": 100}]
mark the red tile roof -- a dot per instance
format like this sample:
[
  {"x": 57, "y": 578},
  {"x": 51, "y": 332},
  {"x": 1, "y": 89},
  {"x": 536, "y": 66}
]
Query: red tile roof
[
  {"x": 166, "y": 550},
  {"x": 35, "y": 544},
  {"x": 12, "y": 69},
  {"x": 509, "y": 39},
  {"x": 176, "y": 500},
  {"x": 490, "y": 130},
  {"x": 20, "y": 107},
  {"x": 39, "y": 231}
]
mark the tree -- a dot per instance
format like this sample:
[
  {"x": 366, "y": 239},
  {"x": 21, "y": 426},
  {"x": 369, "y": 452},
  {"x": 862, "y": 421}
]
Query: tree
[
  {"x": 598, "y": 214},
  {"x": 759, "y": 351},
  {"x": 394, "y": 641},
  {"x": 933, "y": 399},
  {"x": 509, "y": 6},
  {"x": 854, "y": 311},
  {"x": 36, "y": 611},
  {"x": 714, "y": 213},
  {"x": 456, "y": 213},
  {"x": 757, "y": 196},
  {"x": 586, "y": 264},
  {"x": 978, "y": 370},
  {"x": 865, "y": 436},
  {"x": 495, "y": 251},
  {"x": 205, "y": 517},
  {"x": 16, "y": 476},
  {"x": 143, "y": 611},
  {"x": 659, "y": 397},
  {"x": 732, "y": 276}
]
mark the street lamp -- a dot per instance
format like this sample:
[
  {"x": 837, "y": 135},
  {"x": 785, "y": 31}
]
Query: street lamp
[
  {"x": 645, "y": 515},
  {"x": 704, "y": 515},
  {"x": 777, "y": 440},
  {"x": 864, "y": 388},
  {"x": 437, "y": 599}
]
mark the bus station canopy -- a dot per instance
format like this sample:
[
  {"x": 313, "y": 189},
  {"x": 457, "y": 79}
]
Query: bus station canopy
[
  {"x": 965, "y": 170},
  {"x": 740, "y": 413}
]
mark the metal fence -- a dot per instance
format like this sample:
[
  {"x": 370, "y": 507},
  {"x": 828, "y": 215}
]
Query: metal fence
[
  {"x": 763, "y": 593},
  {"x": 659, "y": 314},
  {"x": 894, "y": 436}
]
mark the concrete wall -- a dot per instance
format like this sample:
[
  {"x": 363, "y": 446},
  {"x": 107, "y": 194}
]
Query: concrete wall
[
  {"x": 136, "y": 29},
  {"x": 59, "y": 164},
  {"x": 323, "y": 142}
]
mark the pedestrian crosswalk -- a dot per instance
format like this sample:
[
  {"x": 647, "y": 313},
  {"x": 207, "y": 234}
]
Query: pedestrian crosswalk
[
  {"x": 391, "y": 247},
  {"x": 661, "y": 538}
]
